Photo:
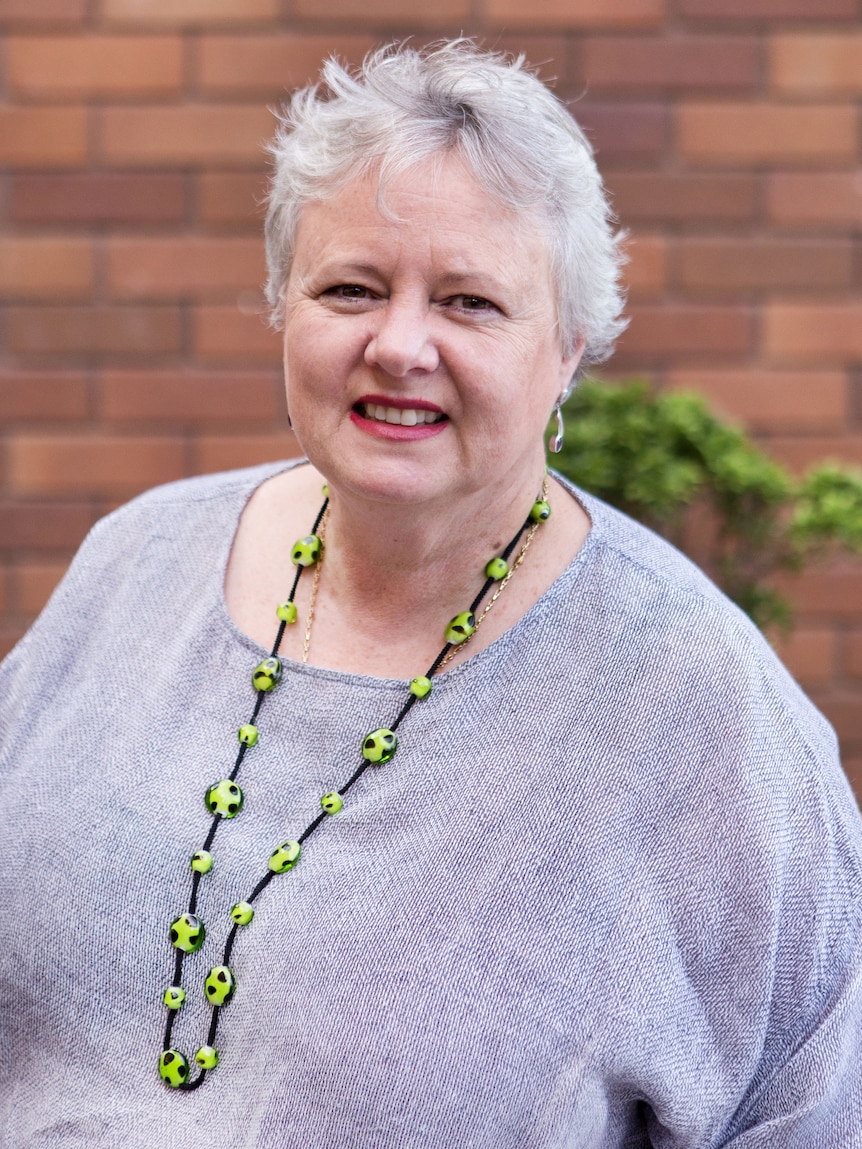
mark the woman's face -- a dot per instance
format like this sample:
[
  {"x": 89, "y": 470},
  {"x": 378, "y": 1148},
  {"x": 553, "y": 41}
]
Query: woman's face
[{"x": 421, "y": 351}]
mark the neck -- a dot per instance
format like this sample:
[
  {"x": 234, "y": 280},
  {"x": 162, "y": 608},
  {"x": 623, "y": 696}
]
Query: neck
[{"x": 390, "y": 558}]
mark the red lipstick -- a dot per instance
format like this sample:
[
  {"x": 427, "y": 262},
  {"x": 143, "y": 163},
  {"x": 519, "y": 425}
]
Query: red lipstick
[{"x": 395, "y": 432}]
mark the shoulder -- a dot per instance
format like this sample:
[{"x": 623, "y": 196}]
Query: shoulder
[
  {"x": 658, "y": 595},
  {"x": 697, "y": 675},
  {"x": 168, "y": 544},
  {"x": 187, "y": 497}
]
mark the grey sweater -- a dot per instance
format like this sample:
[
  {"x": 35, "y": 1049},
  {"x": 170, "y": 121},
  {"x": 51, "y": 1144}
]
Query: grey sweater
[{"x": 606, "y": 894}]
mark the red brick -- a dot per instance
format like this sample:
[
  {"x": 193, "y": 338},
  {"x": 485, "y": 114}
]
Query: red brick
[
  {"x": 819, "y": 199},
  {"x": 88, "y": 66},
  {"x": 584, "y": 14},
  {"x": 226, "y": 333},
  {"x": 43, "y": 268},
  {"x": 185, "y": 136},
  {"x": 92, "y": 464},
  {"x": 232, "y": 200},
  {"x": 632, "y": 130},
  {"x": 192, "y": 397},
  {"x": 227, "y": 452},
  {"x": 43, "y": 137},
  {"x": 155, "y": 268},
  {"x": 800, "y": 453},
  {"x": 27, "y": 396},
  {"x": 659, "y": 197},
  {"x": 758, "y": 10},
  {"x": 33, "y": 584},
  {"x": 853, "y": 653},
  {"x": 548, "y": 53},
  {"x": 762, "y": 134},
  {"x": 44, "y": 526},
  {"x": 646, "y": 271},
  {"x": 824, "y": 591},
  {"x": 773, "y": 400},
  {"x": 670, "y": 62},
  {"x": 660, "y": 332},
  {"x": 813, "y": 332},
  {"x": 438, "y": 15},
  {"x": 270, "y": 64},
  {"x": 188, "y": 12},
  {"x": 119, "y": 331},
  {"x": 809, "y": 654},
  {"x": 41, "y": 12},
  {"x": 824, "y": 64},
  {"x": 736, "y": 265},
  {"x": 98, "y": 197}
]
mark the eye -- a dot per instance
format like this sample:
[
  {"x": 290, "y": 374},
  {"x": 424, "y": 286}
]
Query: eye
[
  {"x": 475, "y": 303},
  {"x": 348, "y": 291}
]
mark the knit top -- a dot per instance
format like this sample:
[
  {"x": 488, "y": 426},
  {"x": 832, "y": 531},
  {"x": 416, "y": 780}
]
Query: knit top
[{"x": 607, "y": 893}]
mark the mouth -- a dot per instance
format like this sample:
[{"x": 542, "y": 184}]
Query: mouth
[
  {"x": 398, "y": 422},
  {"x": 399, "y": 416}
]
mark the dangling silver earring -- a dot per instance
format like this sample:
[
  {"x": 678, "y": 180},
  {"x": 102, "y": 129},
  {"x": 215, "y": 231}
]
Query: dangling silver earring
[{"x": 555, "y": 443}]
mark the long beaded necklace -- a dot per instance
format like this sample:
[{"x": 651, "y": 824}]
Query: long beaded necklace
[{"x": 224, "y": 799}]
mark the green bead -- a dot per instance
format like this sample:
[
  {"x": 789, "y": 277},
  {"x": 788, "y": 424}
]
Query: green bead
[
  {"x": 173, "y": 1068},
  {"x": 207, "y": 1057},
  {"x": 286, "y": 611},
  {"x": 187, "y": 933},
  {"x": 461, "y": 627},
  {"x": 224, "y": 798},
  {"x": 497, "y": 569},
  {"x": 331, "y": 802},
  {"x": 420, "y": 686},
  {"x": 174, "y": 996},
  {"x": 379, "y": 745},
  {"x": 267, "y": 675},
  {"x": 242, "y": 913},
  {"x": 306, "y": 551},
  {"x": 541, "y": 510},
  {"x": 202, "y": 862},
  {"x": 249, "y": 735},
  {"x": 219, "y": 985},
  {"x": 325, "y": 489},
  {"x": 285, "y": 857}
]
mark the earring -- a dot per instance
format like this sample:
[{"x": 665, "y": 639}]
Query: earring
[{"x": 555, "y": 443}]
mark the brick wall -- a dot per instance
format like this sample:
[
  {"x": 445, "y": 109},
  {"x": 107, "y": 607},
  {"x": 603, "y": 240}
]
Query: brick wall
[{"x": 133, "y": 349}]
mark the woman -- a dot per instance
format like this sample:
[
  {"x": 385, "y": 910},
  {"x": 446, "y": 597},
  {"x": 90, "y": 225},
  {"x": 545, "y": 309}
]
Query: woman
[{"x": 578, "y": 871}]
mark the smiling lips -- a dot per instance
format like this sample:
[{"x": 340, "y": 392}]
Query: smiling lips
[
  {"x": 399, "y": 416},
  {"x": 385, "y": 421}
]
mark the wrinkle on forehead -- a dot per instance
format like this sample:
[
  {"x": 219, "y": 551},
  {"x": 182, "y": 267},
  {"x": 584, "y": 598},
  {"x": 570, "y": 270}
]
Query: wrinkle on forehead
[{"x": 417, "y": 217}]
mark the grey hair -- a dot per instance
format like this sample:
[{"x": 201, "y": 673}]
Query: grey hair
[{"x": 519, "y": 141}]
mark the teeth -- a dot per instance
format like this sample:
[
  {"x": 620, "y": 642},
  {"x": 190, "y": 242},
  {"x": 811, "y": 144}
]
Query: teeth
[{"x": 400, "y": 416}]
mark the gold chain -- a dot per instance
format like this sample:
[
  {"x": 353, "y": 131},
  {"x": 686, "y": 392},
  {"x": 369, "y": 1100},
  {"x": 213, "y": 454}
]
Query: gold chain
[
  {"x": 309, "y": 620},
  {"x": 504, "y": 582}
]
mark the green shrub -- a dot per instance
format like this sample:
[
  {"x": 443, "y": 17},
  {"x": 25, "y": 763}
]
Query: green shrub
[{"x": 666, "y": 460}]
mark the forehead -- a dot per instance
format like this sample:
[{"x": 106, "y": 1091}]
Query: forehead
[{"x": 435, "y": 210}]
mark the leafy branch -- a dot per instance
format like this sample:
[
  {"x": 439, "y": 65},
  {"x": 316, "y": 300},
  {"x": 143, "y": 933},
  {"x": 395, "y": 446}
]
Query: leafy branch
[{"x": 667, "y": 460}]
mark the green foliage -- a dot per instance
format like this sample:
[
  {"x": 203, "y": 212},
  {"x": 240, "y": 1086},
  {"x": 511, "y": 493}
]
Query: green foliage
[{"x": 666, "y": 460}]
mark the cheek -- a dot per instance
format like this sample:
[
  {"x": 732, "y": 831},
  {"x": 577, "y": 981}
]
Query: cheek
[{"x": 320, "y": 355}]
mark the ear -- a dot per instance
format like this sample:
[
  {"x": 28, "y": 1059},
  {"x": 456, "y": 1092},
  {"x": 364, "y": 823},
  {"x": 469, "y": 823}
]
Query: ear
[{"x": 569, "y": 365}]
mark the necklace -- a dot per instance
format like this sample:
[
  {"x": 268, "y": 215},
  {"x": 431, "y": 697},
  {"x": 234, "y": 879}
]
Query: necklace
[{"x": 225, "y": 800}]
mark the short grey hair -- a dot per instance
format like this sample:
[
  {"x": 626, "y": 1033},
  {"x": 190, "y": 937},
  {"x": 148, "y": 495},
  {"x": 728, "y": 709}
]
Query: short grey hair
[{"x": 520, "y": 142}]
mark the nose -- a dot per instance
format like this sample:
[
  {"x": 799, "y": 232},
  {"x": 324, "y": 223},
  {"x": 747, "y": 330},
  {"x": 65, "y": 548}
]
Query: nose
[{"x": 401, "y": 342}]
